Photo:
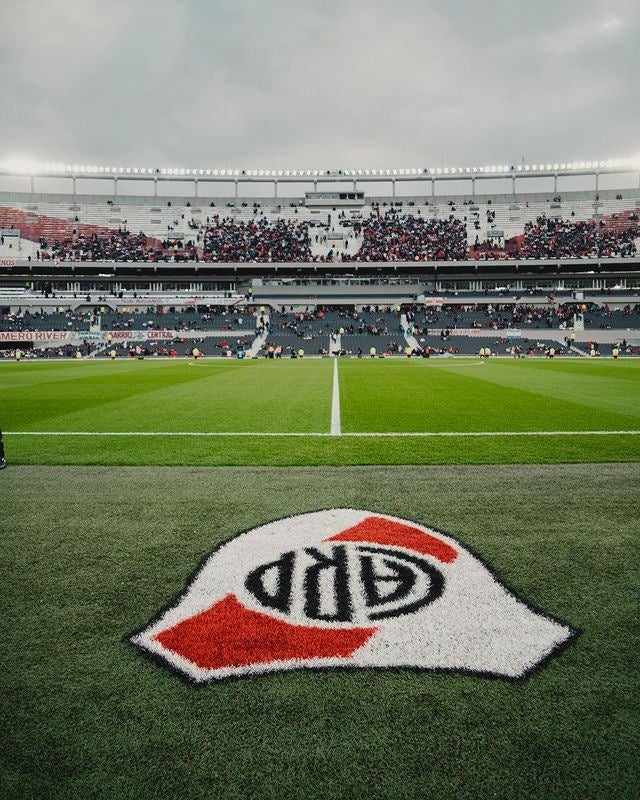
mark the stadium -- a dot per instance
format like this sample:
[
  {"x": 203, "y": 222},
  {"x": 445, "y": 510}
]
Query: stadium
[{"x": 316, "y": 481}]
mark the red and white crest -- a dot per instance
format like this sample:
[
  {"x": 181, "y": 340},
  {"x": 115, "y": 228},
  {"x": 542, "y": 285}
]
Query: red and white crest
[{"x": 348, "y": 588}]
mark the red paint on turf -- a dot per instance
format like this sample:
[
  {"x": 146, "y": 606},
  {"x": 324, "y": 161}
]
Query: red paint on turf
[
  {"x": 385, "y": 531},
  {"x": 230, "y": 635}
]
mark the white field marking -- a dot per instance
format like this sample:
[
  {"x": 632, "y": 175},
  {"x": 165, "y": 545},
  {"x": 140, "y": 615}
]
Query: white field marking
[
  {"x": 285, "y": 434},
  {"x": 335, "y": 402}
]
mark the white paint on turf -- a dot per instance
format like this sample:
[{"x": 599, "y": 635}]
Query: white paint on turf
[
  {"x": 311, "y": 592},
  {"x": 335, "y": 402},
  {"x": 374, "y": 434}
]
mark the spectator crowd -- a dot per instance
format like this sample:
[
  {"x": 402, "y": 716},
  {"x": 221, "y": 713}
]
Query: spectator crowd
[
  {"x": 558, "y": 238},
  {"x": 396, "y": 237}
]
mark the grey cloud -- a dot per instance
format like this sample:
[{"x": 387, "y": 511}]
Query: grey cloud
[{"x": 334, "y": 84}]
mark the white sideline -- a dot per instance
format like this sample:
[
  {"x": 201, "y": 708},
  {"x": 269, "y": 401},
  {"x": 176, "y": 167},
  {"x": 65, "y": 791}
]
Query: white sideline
[
  {"x": 375, "y": 434},
  {"x": 335, "y": 402}
]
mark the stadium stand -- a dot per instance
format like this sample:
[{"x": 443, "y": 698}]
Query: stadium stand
[
  {"x": 290, "y": 342},
  {"x": 404, "y": 237},
  {"x": 258, "y": 240},
  {"x": 179, "y": 347},
  {"x": 383, "y": 344},
  {"x": 212, "y": 318},
  {"x": 46, "y": 321},
  {"x": 471, "y": 345},
  {"x": 266, "y": 232}
]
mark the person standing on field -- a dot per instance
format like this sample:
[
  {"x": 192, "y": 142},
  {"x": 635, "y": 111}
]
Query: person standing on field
[{"x": 3, "y": 463}]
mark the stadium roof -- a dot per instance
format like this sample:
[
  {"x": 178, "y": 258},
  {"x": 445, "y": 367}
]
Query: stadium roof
[{"x": 571, "y": 168}]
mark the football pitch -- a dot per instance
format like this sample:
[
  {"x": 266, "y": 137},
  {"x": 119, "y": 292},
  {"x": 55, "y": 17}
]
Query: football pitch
[
  {"x": 320, "y": 412},
  {"x": 123, "y": 477}
]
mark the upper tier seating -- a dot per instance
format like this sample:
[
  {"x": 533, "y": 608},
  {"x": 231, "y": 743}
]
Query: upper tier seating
[
  {"x": 257, "y": 240},
  {"x": 387, "y": 231}
]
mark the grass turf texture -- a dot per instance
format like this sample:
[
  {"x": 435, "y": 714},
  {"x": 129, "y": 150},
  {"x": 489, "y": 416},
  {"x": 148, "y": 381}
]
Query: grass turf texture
[
  {"x": 89, "y": 554},
  {"x": 295, "y": 397}
]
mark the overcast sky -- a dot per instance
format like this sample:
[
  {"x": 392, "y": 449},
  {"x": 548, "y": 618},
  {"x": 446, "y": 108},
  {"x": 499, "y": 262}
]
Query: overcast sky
[{"x": 325, "y": 84}]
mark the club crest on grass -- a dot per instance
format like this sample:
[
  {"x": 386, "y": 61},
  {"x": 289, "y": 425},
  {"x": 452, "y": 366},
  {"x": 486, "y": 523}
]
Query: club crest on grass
[{"x": 347, "y": 588}]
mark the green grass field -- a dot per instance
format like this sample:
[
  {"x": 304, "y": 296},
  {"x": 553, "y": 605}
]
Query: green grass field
[
  {"x": 101, "y": 531},
  {"x": 295, "y": 397}
]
